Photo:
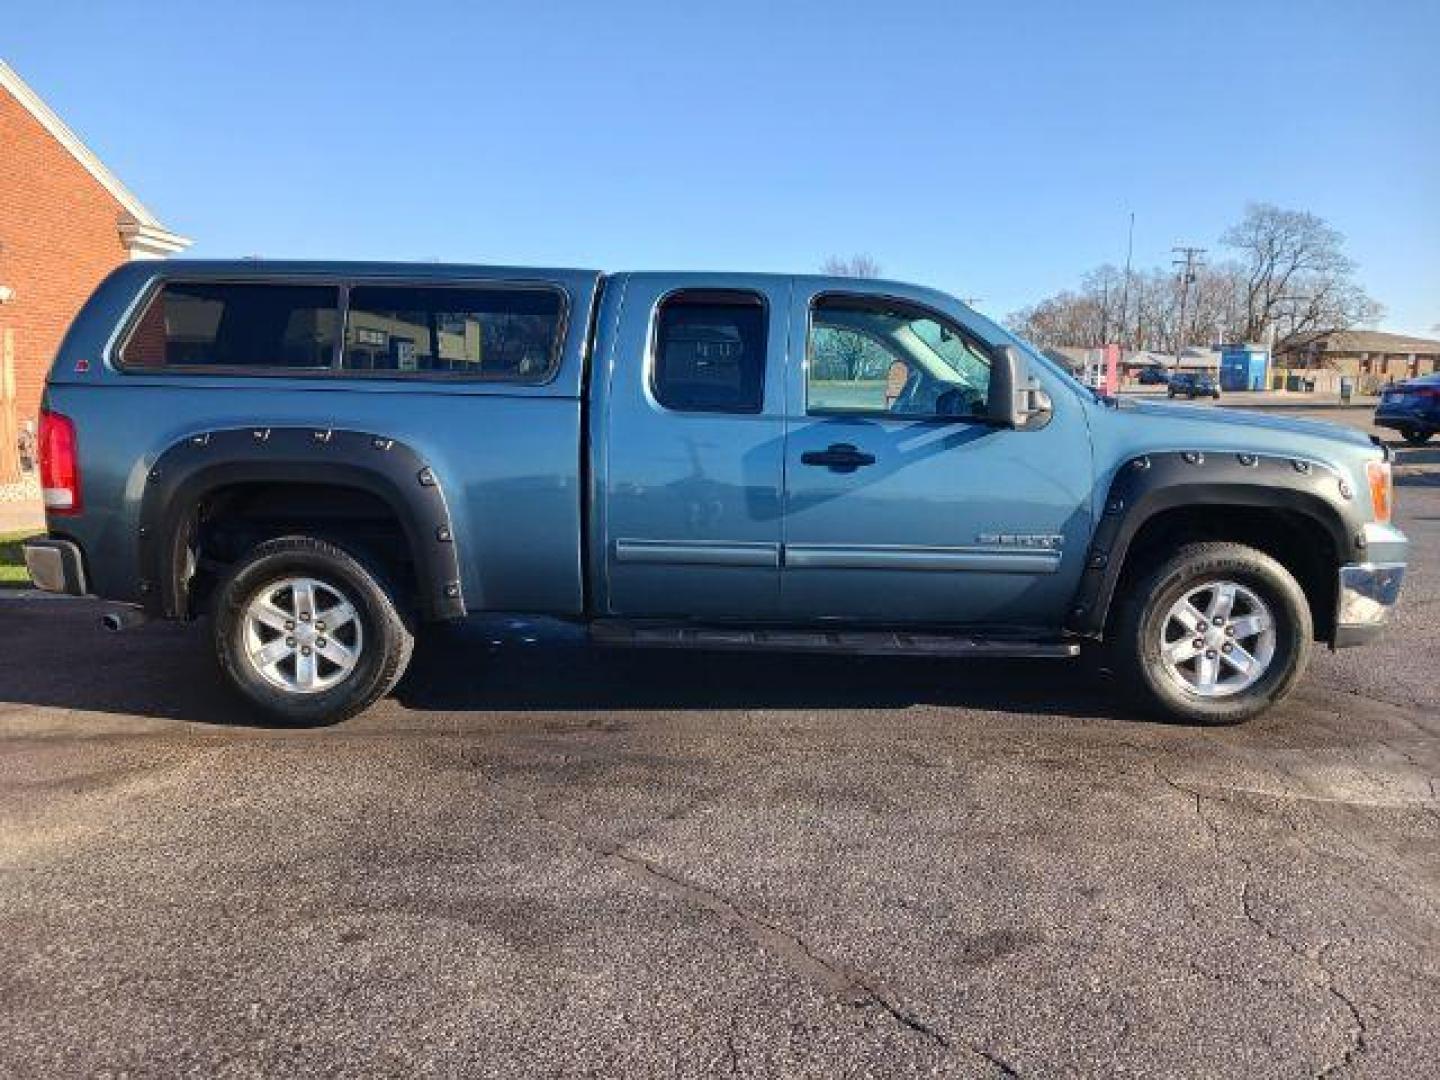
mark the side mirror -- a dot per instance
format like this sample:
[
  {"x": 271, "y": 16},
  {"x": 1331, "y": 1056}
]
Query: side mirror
[{"x": 1016, "y": 399}]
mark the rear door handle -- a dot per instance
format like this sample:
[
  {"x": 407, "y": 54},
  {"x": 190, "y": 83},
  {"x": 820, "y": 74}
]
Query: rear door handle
[{"x": 838, "y": 457}]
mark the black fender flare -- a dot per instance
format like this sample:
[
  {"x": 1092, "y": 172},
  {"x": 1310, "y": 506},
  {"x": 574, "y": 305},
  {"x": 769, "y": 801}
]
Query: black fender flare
[
  {"x": 1151, "y": 484},
  {"x": 203, "y": 462}
]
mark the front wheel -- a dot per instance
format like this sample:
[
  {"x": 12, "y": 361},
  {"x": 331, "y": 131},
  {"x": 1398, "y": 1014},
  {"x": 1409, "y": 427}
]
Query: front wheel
[
  {"x": 307, "y": 632},
  {"x": 1415, "y": 436},
  {"x": 1215, "y": 634}
]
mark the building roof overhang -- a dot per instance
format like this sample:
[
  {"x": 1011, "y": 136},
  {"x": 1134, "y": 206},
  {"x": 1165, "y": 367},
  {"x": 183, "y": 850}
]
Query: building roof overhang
[{"x": 141, "y": 231}]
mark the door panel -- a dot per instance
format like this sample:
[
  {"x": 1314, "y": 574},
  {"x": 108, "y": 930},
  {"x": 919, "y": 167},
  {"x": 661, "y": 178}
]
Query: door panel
[
  {"x": 690, "y": 504},
  {"x": 922, "y": 519}
]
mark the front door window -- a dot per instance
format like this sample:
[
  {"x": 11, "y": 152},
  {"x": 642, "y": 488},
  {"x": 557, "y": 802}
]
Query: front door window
[{"x": 880, "y": 357}]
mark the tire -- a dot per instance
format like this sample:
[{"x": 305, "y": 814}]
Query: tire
[
  {"x": 1146, "y": 625},
  {"x": 373, "y": 639},
  {"x": 1415, "y": 436}
]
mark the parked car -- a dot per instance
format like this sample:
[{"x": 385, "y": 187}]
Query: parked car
[
  {"x": 318, "y": 457},
  {"x": 1412, "y": 408},
  {"x": 1154, "y": 376},
  {"x": 1192, "y": 385}
]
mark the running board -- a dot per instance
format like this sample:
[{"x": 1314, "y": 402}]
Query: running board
[{"x": 853, "y": 642}]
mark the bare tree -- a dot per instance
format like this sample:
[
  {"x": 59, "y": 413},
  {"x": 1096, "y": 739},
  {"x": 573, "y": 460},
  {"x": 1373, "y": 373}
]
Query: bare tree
[
  {"x": 1291, "y": 279},
  {"x": 1217, "y": 309},
  {"x": 1297, "y": 277},
  {"x": 861, "y": 266},
  {"x": 1091, "y": 317}
]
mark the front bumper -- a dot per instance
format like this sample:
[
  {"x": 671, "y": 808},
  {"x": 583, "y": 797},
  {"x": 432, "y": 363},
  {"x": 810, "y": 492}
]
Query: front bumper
[
  {"x": 55, "y": 566},
  {"x": 1367, "y": 593}
]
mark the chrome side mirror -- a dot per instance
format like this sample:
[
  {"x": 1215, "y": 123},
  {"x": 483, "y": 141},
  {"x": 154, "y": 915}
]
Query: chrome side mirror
[{"x": 1016, "y": 400}]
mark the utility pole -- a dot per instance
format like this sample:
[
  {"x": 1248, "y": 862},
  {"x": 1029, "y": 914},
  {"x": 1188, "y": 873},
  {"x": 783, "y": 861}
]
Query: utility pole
[
  {"x": 1125, "y": 289},
  {"x": 1187, "y": 263}
]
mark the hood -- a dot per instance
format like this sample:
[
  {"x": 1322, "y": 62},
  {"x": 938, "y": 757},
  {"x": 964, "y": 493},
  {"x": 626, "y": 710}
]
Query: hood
[{"x": 1235, "y": 420}]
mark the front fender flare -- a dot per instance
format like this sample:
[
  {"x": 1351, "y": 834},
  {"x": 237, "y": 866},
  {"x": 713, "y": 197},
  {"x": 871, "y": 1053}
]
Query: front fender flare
[
  {"x": 1153, "y": 483},
  {"x": 202, "y": 463}
]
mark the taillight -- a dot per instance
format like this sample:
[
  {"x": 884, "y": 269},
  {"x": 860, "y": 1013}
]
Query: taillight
[
  {"x": 59, "y": 464},
  {"x": 1382, "y": 489}
]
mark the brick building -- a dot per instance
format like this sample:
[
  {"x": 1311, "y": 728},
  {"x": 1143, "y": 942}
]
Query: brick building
[
  {"x": 1373, "y": 357},
  {"x": 65, "y": 222}
]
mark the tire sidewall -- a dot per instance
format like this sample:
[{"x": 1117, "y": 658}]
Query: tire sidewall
[
  {"x": 301, "y": 556},
  {"x": 1189, "y": 569}
]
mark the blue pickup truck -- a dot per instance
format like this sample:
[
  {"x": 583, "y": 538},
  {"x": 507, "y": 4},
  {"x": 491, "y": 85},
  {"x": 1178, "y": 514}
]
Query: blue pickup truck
[{"x": 317, "y": 457}]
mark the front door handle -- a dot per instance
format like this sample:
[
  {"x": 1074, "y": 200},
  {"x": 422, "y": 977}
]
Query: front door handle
[{"x": 838, "y": 457}]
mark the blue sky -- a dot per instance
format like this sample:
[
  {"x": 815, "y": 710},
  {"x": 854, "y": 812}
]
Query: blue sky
[{"x": 990, "y": 149}]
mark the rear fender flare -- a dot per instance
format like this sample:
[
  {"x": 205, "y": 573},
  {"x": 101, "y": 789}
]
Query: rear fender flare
[
  {"x": 1154, "y": 483},
  {"x": 206, "y": 461}
]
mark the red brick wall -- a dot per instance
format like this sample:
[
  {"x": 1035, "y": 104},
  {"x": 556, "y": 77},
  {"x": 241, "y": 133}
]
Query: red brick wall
[{"x": 58, "y": 238}]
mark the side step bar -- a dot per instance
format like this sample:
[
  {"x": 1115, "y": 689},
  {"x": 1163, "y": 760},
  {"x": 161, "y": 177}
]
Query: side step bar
[{"x": 853, "y": 642}]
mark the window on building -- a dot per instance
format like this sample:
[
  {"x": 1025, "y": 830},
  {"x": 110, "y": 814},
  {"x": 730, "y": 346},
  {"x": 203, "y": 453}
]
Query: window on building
[
  {"x": 236, "y": 325},
  {"x": 871, "y": 355},
  {"x": 710, "y": 352},
  {"x": 483, "y": 332}
]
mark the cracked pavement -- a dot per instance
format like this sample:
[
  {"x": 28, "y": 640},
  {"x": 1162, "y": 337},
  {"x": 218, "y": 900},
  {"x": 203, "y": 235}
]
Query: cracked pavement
[{"x": 543, "y": 860}]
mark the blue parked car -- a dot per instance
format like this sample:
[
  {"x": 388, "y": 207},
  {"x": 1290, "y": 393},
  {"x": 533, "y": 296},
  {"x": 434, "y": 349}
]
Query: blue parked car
[
  {"x": 1412, "y": 408},
  {"x": 317, "y": 457}
]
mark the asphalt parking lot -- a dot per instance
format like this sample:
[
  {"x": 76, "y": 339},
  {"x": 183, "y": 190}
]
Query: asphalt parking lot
[{"x": 542, "y": 860}]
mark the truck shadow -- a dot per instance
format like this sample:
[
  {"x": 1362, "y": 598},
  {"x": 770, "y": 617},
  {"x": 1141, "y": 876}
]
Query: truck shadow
[
  {"x": 472, "y": 666},
  {"x": 58, "y": 657}
]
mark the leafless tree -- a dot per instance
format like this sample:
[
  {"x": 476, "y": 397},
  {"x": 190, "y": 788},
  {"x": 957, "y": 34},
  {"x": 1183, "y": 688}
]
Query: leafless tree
[
  {"x": 861, "y": 266},
  {"x": 1297, "y": 277},
  {"x": 1291, "y": 278}
]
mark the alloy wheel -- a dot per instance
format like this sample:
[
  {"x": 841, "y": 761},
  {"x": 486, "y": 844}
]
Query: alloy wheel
[
  {"x": 302, "y": 635},
  {"x": 1217, "y": 640}
]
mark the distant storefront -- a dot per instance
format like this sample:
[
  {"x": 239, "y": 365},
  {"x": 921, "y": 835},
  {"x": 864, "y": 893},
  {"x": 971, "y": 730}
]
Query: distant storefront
[{"x": 1372, "y": 357}]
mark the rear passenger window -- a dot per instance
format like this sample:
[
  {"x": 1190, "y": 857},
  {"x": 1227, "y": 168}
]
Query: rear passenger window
[
  {"x": 222, "y": 325},
  {"x": 710, "y": 352},
  {"x": 485, "y": 333}
]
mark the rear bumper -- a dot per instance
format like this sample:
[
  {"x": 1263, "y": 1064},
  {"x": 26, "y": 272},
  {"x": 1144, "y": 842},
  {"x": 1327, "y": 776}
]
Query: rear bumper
[
  {"x": 56, "y": 566},
  {"x": 1367, "y": 593}
]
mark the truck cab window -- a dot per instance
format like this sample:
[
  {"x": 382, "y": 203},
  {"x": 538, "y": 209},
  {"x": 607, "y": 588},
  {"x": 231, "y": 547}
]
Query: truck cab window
[
  {"x": 871, "y": 355},
  {"x": 710, "y": 352}
]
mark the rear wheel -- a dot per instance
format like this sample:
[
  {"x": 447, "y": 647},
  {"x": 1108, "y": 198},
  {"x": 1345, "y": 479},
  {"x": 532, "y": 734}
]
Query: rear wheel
[
  {"x": 1215, "y": 634},
  {"x": 307, "y": 632},
  {"x": 1415, "y": 436}
]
